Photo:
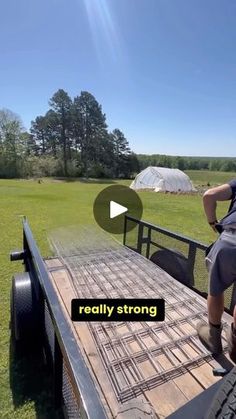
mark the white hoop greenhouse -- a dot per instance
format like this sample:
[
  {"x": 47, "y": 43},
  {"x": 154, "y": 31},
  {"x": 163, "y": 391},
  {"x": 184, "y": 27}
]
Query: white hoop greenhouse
[{"x": 162, "y": 179}]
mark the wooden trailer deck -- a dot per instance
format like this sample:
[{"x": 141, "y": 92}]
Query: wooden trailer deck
[{"x": 160, "y": 363}]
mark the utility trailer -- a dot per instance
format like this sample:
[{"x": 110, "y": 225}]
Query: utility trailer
[{"x": 117, "y": 369}]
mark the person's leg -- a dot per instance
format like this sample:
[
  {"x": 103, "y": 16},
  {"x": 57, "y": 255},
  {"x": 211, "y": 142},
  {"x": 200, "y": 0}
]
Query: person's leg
[
  {"x": 210, "y": 334},
  {"x": 221, "y": 265},
  {"x": 215, "y": 306}
]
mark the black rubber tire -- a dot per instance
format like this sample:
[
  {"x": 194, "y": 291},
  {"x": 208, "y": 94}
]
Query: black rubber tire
[
  {"x": 223, "y": 405},
  {"x": 25, "y": 315},
  {"x": 174, "y": 263}
]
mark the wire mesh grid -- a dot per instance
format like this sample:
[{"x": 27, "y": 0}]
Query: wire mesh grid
[
  {"x": 136, "y": 355},
  {"x": 70, "y": 401}
]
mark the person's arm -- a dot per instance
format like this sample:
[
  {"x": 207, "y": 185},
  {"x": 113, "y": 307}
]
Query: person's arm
[{"x": 210, "y": 198}]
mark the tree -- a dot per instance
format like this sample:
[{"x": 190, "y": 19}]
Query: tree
[
  {"x": 10, "y": 141},
  {"x": 29, "y": 145},
  {"x": 215, "y": 164},
  {"x": 132, "y": 165},
  {"x": 61, "y": 104},
  {"x": 39, "y": 131},
  {"x": 45, "y": 131},
  {"x": 52, "y": 133},
  {"x": 71, "y": 139},
  {"x": 228, "y": 166},
  {"x": 121, "y": 153},
  {"x": 181, "y": 165},
  {"x": 89, "y": 129}
]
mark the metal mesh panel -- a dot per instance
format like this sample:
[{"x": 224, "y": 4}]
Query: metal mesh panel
[
  {"x": 72, "y": 408},
  {"x": 200, "y": 271},
  {"x": 70, "y": 404},
  {"x": 49, "y": 332},
  {"x": 128, "y": 350}
]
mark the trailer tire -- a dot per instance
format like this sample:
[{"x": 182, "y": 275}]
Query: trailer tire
[
  {"x": 223, "y": 405},
  {"x": 25, "y": 315},
  {"x": 174, "y": 263}
]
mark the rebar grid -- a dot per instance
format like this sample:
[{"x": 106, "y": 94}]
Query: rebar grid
[{"x": 136, "y": 355}]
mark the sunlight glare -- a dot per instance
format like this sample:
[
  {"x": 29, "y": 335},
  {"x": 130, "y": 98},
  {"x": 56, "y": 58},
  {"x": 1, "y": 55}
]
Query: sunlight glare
[{"x": 104, "y": 31}]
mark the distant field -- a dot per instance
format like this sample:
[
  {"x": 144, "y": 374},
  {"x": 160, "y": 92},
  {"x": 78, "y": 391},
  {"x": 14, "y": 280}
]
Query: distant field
[
  {"x": 55, "y": 203},
  {"x": 203, "y": 177}
]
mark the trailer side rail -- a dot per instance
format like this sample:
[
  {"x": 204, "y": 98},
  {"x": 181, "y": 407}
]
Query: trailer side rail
[
  {"x": 66, "y": 348},
  {"x": 144, "y": 236}
]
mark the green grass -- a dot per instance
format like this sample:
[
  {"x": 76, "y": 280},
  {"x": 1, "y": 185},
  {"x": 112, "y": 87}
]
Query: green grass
[
  {"x": 24, "y": 391},
  {"x": 203, "y": 177}
]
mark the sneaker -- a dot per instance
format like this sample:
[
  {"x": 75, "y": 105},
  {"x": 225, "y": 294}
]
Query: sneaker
[
  {"x": 210, "y": 337},
  {"x": 231, "y": 338}
]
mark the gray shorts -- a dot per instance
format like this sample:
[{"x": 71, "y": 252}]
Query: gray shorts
[{"x": 221, "y": 263}]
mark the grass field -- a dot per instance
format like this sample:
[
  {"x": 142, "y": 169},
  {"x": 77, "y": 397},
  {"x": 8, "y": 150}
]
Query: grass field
[
  {"x": 24, "y": 390},
  {"x": 203, "y": 177}
]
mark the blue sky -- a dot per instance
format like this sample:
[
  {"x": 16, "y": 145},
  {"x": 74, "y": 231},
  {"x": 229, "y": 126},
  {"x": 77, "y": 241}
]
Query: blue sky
[{"x": 164, "y": 71}]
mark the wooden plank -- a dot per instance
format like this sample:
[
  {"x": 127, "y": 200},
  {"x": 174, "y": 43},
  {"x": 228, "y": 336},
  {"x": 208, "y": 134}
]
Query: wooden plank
[
  {"x": 165, "y": 398},
  {"x": 204, "y": 372},
  {"x": 53, "y": 263},
  {"x": 185, "y": 381},
  {"x": 169, "y": 394},
  {"x": 62, "y": 284},
  {"x": 188, "y": 385},
  {"x": 192, "y": 382},
  {"x": 175, "y": 392}
]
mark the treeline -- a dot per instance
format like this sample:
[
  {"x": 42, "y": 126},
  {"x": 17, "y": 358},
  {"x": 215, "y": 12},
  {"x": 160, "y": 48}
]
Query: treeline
[
  {"x": 223, "y": 164},
  {"x": 71, "y": 139}
]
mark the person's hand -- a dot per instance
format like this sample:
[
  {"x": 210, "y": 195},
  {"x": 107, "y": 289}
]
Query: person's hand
[{"x": 213, "y": 225}]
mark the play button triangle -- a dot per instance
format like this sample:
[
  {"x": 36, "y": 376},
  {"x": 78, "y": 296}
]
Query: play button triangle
[{"x": 116, "y": 209}]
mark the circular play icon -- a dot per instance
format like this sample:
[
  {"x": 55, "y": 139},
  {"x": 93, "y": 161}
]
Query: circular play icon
[{"x": 112, "y": 203}]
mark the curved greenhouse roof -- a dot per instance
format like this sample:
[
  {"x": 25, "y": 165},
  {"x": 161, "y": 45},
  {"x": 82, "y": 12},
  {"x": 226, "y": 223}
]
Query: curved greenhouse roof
[{"x": 162, "y": 179}]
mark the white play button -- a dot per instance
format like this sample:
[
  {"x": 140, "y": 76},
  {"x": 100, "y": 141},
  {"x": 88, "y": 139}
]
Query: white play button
[
  {"x": 116, "y": 209},
  {"x": 111, "y": 206}
]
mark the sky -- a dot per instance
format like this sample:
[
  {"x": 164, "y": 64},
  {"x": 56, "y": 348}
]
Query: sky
[{"x": 164, "y": 71}]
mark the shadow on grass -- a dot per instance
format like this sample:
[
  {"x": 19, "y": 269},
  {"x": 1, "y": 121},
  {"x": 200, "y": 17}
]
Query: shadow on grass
[
  {"x": 30, "y": 380},
  {"x": 86, "y": 180}
]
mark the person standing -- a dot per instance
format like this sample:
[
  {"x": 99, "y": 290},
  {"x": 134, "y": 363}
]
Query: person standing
[{"x": 221, "y": 266}]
